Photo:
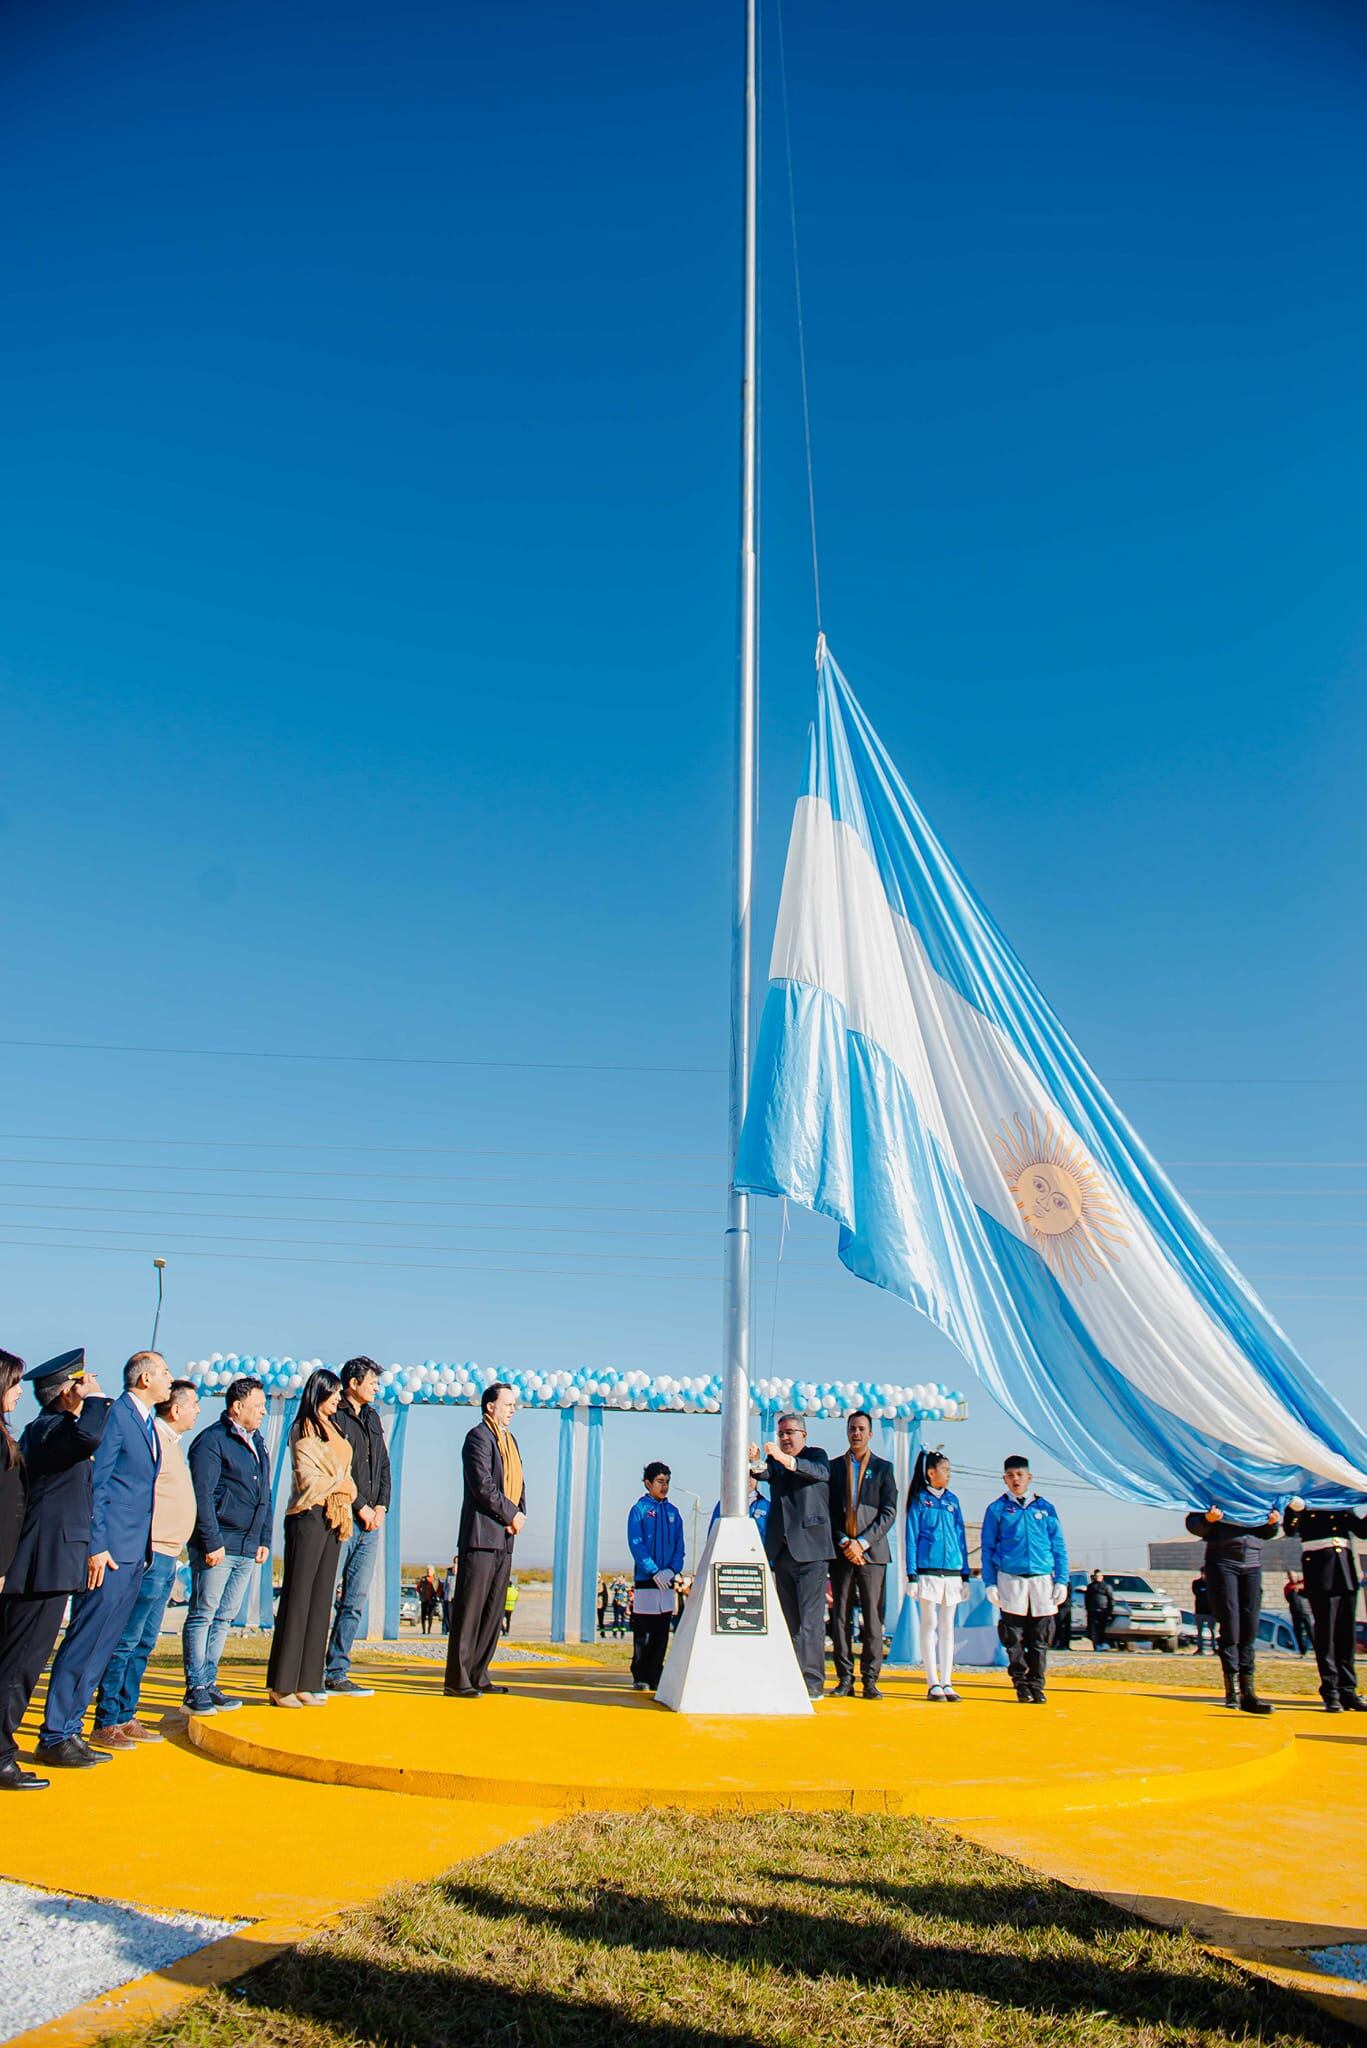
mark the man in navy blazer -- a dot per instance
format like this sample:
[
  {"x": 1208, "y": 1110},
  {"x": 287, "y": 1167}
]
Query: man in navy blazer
[
  {"x": 52, "y": 1557},
  {"x": 124, "y": 1482}
]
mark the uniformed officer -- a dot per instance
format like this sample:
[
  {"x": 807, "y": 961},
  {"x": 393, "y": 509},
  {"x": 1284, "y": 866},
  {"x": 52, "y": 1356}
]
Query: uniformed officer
[
  {"x": 1330, "y": 1569},
  {"x": 123, "y": 1490},
  {"x": 1234, "y": 1587},
  {"x": 51, "y": 1559}
]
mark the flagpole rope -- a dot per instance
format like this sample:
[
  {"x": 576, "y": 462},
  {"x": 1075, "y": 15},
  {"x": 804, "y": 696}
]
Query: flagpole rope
[{"x": 801, "y": 327}]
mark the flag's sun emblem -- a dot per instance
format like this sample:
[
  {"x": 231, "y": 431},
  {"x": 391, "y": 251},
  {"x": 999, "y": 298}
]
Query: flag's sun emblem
[{"x": 1068, "y": 1214}]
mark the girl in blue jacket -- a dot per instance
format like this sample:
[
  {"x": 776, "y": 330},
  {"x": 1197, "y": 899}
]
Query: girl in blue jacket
[{"x": 937, "y": 1567}]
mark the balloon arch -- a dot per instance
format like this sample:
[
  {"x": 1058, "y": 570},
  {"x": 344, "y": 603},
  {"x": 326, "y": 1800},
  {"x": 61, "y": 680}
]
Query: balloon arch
[{"x": 583, "y": 1397}]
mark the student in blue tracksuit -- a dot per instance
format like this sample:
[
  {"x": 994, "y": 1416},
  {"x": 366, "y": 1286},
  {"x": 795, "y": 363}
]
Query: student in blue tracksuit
[
  {"x": 655, "y": 1534},
  {"x": 937, "y": 1567},
  {"x": 1025, "y": 1572}
]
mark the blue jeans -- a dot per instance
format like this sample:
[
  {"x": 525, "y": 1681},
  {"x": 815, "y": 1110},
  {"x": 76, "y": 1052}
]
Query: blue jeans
[
  {"x": 117, "y": 1699},
  {"x": 358, "y": 1558},
  {"x": 216, "y": 1593}
]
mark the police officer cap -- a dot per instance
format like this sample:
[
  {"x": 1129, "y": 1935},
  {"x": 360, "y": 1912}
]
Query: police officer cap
[{"x": 53, "y": 1374}]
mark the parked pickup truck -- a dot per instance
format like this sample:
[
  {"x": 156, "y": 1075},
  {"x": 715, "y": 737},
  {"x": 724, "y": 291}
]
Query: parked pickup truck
[{"x": 1143, "y": 1618}]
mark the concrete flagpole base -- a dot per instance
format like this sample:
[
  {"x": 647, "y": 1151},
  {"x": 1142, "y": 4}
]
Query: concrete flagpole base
[{"x": 732, "y": 1653}]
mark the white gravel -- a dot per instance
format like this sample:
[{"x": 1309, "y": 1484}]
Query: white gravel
[
  {"x": 1349, "y": 1959},
  {"x": 64, "y": 1950}
]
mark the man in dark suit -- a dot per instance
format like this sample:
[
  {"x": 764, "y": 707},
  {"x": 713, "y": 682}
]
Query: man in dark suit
[
  {"x": 52, "y": 1559},
  {"x": 863, "y": 1507},
  {"x": 123, "y": 1487},
  {"x": 797, "y": 1542},
  {"x": 492, "y": 1512}
]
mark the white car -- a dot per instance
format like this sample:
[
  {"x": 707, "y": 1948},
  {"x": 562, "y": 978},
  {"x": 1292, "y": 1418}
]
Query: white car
[{"x": 1143, "y": 1618}]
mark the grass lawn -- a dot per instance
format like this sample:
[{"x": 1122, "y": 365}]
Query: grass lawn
[{"x": 692, "y": 1931}]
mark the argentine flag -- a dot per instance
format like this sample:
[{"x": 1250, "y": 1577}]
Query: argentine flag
[{"x": 912, "y": 1083}]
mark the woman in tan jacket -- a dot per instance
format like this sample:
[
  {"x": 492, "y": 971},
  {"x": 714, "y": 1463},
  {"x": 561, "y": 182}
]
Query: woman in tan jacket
[{"x": 317, "y": 1524}]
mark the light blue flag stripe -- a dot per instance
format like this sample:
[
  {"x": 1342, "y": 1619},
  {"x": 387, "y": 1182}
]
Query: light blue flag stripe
[{"x": 1141, "y": 1358}]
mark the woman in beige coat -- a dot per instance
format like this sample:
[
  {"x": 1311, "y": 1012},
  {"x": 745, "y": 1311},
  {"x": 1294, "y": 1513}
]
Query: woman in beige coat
[{"x": 317, "y": 1524}]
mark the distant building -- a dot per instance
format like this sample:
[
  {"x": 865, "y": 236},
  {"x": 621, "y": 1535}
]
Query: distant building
[{"x": 1283, "y": 1553}]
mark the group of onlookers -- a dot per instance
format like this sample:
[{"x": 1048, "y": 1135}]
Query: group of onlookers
[
  {"x": 829, "y": 1525},
  {"x": 97, "y": 1500}
]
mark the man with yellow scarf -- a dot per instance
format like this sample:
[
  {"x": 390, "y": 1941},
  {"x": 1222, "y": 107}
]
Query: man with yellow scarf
[{"x": 492, "y": 1512}]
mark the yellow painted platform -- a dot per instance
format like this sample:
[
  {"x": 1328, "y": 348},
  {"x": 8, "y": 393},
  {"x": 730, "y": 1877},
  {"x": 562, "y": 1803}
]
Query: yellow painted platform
[
  {"x": 1243, "y": 1829},
  {"x": 576, "y": 1739}
]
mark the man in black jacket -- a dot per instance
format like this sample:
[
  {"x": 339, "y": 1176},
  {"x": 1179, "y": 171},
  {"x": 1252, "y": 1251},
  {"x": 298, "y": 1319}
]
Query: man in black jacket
[
  {"x": 863, "y": 1505},
  {"x": 358, "y": 1420},
  {"x": 1099, "y": 1605},
  {"x": 798, "y": 1543},
  {"x": 52, "y": 1559},
  {"x": 492, "y": 1512},
  {"x": 232, "y": 1475},
  {"x": 1330, "y": 1567}
]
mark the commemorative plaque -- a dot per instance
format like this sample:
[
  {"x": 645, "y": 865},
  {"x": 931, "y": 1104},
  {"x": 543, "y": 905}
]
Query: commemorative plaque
[{"x": 739, "y": 1605}]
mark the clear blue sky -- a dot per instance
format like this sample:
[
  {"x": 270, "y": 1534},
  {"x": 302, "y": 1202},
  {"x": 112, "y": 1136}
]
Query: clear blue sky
[{"x": 366, "y": 645}]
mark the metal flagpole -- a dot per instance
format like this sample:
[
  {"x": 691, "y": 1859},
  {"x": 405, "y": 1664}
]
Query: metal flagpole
[{"x": 735, "y": 1414}]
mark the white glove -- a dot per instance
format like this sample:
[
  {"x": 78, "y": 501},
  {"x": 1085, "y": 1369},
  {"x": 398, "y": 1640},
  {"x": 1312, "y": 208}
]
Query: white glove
[
  {"x": 1060, "y": 1595},
  {"x": 994, "y": 1596},
  {"x": 664, "y": 1580},
  {"x": 913, "y": 1589},
  {"x": 1296, "y": 1505}
]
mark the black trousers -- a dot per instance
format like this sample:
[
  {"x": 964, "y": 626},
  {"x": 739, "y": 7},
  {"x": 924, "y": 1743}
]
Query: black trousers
[
  {"x": 867, "y": 1583},
  {"x": 476, "y": 1616},
  {"x": 802, "y": 1601},
  {"x": 1026, "y": 1639},
  {"x": 304, "y": 1613},
  {"x": 29, "y": 1625},
  {"x": 1236, "y": 1598},
  {"x": 1097, "y": 1625},
  {"x": 1302, "y": 1625},
  {"x": 1335, "y": 1650},
  {"x": 649, "y": 1643}
]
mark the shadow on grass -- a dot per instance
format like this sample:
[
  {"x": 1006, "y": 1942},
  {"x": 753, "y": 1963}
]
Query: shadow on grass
[
  {"x": 439, "y": 2002},
  {"x": 441, "y": 2008},
  {"x": 1071, "y": 1979}
]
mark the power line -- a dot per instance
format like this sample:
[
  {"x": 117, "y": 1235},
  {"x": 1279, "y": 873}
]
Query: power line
[
  {"x": 360, "y": 1059},
  {"x": 343, "y": 1244},
  {"x": 346, "y": 1222},
  {"x": 313, "y": 1172},
  {"x": 394, "y": 1265},
  {"x": 284, "y": 1145},
  {"x": 61, "y": 1187},
  {"x": 375, "y": 1059}
]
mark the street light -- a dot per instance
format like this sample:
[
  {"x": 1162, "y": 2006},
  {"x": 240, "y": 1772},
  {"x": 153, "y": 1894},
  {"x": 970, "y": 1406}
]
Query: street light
[{"x": 160, "y": 1265}]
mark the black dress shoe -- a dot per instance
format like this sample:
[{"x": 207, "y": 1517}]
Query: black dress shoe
[
  {"x": 871, "y": 1691},
  {"x": 461, "y": 1692},
  {"x": 1353, "y": 1703},
  {"x": 14, "y": 1779},
  {"x": 1251, "y": 1704},
  {"x": 70, "y": 1754},
  {"x": 842, "y": 1690},
  {"x": 1332, "y": 1707},
  {"x": 493, "y": 1688}
]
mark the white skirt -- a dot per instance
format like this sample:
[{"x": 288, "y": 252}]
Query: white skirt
[{"x": 940, "y": 1589}]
